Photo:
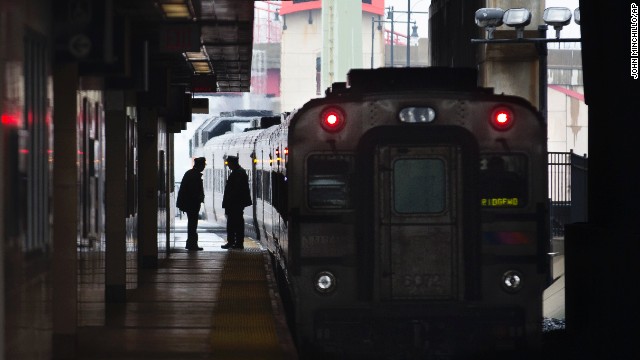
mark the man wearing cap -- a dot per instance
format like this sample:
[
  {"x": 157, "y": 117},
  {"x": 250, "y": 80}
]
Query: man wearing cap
[
  {"x": 236, "y": 197},
  {"x": 190, "y": 196}
]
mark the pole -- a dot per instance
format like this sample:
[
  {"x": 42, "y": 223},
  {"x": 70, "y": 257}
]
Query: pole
[
  {"x": 392, "y": 34},
  {"x": 408, "y": 32},
  {"x": 372, "y": 21},
  {"x": 542, "y": 72}
]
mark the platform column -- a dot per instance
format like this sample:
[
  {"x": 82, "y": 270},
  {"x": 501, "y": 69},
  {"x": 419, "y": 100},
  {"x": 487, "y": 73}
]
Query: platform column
[
  {"x": 148, "y": 186},
  {"x": 116, "y": 198},
  {"x": 65, "y": 212},
  {"x": 512, "y": 69}
]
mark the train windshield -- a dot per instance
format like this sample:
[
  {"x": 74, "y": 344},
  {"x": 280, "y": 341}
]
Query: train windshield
[
  {"x": 503, "y": 180},
  {"x": 329, "y": 181},
  {"x": 419, "y": 186}
]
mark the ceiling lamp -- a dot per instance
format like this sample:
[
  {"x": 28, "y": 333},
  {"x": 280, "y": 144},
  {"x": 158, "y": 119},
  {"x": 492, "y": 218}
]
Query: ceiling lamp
[
  {"x": 201, "y": 67},
  {"x": 199, "y": 62},
  {"x": 176, "y": 9}
]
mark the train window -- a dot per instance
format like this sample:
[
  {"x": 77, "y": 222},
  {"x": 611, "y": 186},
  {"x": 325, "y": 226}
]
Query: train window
[
  {"x": 266, "y": 186},
  {"x": 329, "y": 181},
  {"x": 503, "y": 180},
  {"x": 279, "y": 198},
  {"x": 419, "y": 186},
  {"x": 219, "y": 181},
  {"x": 259, "y": 184}
]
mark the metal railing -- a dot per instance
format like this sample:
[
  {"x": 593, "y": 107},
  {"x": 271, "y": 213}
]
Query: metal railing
[{"x": 567, "y": 190}]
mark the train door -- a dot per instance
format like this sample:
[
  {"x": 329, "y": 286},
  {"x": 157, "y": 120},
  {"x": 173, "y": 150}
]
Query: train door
[{"x": 423, "y": 220}]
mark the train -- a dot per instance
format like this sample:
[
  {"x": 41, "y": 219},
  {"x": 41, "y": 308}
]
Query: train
[{"x": 405, "y": 213}]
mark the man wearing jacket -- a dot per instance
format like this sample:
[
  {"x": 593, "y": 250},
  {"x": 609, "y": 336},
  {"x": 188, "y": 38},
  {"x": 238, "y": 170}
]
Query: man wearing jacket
[
  {"x": 236, "y": 197},
  {"x": 190, "y": 196}
]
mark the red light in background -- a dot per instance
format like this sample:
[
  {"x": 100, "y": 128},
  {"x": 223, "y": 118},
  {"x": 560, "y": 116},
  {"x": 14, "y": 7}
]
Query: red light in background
[{"x": 10, "y": 120}]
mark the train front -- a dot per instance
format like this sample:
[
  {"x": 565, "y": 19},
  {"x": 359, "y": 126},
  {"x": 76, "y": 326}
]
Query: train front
[{"x": 397, "y": 246}]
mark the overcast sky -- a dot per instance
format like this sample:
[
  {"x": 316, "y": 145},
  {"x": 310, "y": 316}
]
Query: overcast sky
[{"x": 417, "y": 8}]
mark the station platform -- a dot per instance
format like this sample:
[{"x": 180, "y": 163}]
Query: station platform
[
  {"x": 553, "y": 298},
  {"x": 210, "y": 304}
]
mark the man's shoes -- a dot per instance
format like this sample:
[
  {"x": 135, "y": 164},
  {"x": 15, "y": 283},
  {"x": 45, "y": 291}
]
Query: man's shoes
[
  {"x": 194, "y": 248},
  {"x": 232, "y": 246}
]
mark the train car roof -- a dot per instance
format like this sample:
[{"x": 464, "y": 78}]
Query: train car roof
[
  {"x": 433, "y": 79},
  {"x": 423, "y": 78},
  {"x": 223, "y": 123}
]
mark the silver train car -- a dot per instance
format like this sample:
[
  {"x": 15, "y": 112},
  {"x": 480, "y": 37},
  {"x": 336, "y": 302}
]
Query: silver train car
[{"x": 406, "y": 213}]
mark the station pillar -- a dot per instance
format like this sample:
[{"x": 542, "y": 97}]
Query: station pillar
[
  {"x": 65, "y": 212},
  {"x": 116, "y": 205},
  {"x": 148, "y": 187},
  {"x": 513, "y": 69}
]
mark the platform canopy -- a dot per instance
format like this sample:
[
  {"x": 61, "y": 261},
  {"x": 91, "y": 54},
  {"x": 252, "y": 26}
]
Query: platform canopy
[{"x": 198, "y": 37}]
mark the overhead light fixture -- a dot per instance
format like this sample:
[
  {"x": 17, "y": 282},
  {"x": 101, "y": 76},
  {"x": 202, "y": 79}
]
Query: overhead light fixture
[
  {"x": 201, "y": 67},
  {"x": 176, "y": 9},
  {"x": 199, "y": 61},
  {"x": 517, "y": 18},
  {"x": 557, "y": 17},
  {"x": 196, "y": 56},
  {"x": 576, "y": 15},
  {"x": 489, "y": 18}
]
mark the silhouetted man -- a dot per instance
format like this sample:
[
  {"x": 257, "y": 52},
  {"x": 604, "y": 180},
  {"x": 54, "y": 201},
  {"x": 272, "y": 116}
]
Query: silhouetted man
[
  {"x": 236, "y": 197},
  {"x": 190, "y": 196}
]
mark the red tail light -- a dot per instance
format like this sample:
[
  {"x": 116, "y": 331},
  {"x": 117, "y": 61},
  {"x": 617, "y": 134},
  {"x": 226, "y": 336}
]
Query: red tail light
[
  {"x": 502, "y": 118},
  {"x": 332, "y": 119}
]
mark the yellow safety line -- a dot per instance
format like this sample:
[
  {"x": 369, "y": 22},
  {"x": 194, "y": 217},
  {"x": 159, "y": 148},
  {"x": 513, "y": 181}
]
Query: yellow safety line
[{"x": 244, "y": 326}]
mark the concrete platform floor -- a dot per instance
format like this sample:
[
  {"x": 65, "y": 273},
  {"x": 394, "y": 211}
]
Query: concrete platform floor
[{"x": 210, "y": 304}]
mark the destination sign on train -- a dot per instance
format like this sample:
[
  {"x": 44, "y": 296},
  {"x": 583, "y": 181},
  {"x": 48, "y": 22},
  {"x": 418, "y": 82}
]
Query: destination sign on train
[{"x": 500, "y": 202}]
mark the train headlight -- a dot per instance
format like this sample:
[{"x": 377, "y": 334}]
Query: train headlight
[
  {"x": 502, "y": 118},
  {"x": 332, "y": 119},
  {"x": 417, "y": 115},
  {"x": 512, "y": 281},
  {"x": 325, "y": 282}
]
